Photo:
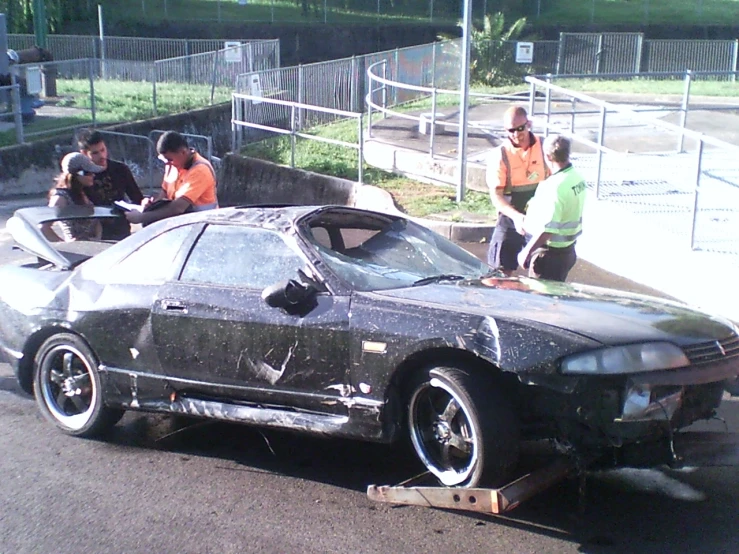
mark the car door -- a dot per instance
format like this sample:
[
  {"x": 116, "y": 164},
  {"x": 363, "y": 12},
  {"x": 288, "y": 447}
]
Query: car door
[{"x": 213, "y": 330}]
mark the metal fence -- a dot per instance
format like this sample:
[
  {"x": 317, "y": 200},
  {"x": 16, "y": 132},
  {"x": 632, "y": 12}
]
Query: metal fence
[
  {"x": 74, "y": 47},
  {"x": 341, "y": 85},
  {"x": 77, "y": 92},
  {"x": 607, "y": 53},
  {"x": 684, "y": 181}
]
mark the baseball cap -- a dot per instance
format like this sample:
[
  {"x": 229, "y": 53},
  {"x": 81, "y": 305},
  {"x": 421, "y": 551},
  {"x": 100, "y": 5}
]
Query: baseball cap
[{"x": 76, "y": 162}]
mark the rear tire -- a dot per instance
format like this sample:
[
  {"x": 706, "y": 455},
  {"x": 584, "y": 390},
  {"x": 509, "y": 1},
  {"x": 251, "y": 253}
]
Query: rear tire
[
  {"x": 462, "y": 427},
  {"x": 68, "y": 389}
]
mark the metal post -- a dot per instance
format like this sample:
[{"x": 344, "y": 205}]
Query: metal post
[
  {"x": 233, "y": 123},
  {"x": 599, "y": 53},
  {"x": 560, "y": 47},
  {"x": 214, "y": 77},
  {"x": 601, "y": 135},
  {"x": 154, "y": 87},
  {"x": 572, "y": 116},
  {"x": 684, "y": 109},
  {"x": 353, "y": 86},
  {"x": 639, "y": 52},
  {"x": 433, "y": 64},
  {"x": 397, "y": 77},
  {"x": 301, "y": 95},
  {"x": 532, "y": 99},
  {"x": 548, "y": 103},
  {"x": 91, "y": 75},
  {"x": 17, "y": 116},
  {"x": 431, "y": 10},
  {"x": 102, "y": 40},
  {"x": 384, "y": 89},
  {"x": 695, "y": 193},
  {"x": 371, "y": 98},
  {"x": 464, "y": 99},
  {"x": 292, "y": 136},
  {"x": 360, "y": 170},
  {"x": 735, "y": 56},
  {"x": 432, "y": 134}
]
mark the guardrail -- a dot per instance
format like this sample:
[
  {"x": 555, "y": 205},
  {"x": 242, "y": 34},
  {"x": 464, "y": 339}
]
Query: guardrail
[{"x": 240, "y": 102}]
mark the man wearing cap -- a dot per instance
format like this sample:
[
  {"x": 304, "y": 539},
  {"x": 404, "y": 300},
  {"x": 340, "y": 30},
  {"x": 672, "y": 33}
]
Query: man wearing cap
[
  {"x": 189, "y": 182},
  {"x": 70, "y": 189},
  {"x": 115, "y": 182}
]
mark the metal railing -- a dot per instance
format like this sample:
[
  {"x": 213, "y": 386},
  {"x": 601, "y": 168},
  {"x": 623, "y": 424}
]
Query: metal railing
[
  {"x": 10, "y": 97},
  {"x": 243, "y": 104},
  {"x": 177, "y": 84},
  {"x": 72, "y": 47},
  {"x": 699, "y": 178}
]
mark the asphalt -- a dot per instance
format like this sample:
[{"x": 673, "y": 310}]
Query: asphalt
[{"x": 624, "y": 245}]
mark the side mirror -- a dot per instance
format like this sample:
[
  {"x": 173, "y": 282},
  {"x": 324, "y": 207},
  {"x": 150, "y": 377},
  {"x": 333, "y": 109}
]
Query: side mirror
[{"x": 294, "y": 297}]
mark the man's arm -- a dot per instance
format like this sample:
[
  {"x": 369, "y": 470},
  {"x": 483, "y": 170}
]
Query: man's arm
[
  {"x": 496, "y": 175},
  {"x": 524, "y": 257},
  {"x": 176, "y": 207},
  {"x": 132, "y": 189}
]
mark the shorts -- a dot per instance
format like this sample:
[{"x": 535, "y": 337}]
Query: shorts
[
  {"x": 505, "y": 245},
  {"x": 553, "y": 263}
]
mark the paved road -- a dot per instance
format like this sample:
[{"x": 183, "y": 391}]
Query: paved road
[{"x": 169, "y": 485}]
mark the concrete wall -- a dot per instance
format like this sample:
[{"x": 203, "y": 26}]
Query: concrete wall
[
  {"x": 31, "y": 168},
  {"x": 250, "y": 181}
]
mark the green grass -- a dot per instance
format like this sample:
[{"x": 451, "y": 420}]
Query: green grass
[
  {"x": 343, "y": 11},
  {"x": 553, "y": 12},
  {"x": 118, "y": 101},
  {"x": 411, "y": 197},
  {"x": 640, "y": 12}
]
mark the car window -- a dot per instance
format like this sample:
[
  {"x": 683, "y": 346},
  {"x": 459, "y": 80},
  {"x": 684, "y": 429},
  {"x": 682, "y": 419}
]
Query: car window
[
  {"x": 151, "y": 263},
  {"x": 241, "y": 257}
]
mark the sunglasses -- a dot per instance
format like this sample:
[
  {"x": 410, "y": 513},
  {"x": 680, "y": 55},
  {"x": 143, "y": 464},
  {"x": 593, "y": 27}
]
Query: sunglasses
[{"x": 518, "y": 129}]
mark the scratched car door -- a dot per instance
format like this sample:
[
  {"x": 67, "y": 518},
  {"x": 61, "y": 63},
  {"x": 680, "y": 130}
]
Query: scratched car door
[{"x": 213, "y": 329}]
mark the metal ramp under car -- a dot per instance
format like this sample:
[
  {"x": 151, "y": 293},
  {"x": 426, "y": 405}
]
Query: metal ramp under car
[{"x": 689, "y": 449}]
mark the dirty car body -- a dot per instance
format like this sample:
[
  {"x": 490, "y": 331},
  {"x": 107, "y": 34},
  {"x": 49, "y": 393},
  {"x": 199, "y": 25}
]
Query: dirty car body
[{"x": 342, "y": 322}]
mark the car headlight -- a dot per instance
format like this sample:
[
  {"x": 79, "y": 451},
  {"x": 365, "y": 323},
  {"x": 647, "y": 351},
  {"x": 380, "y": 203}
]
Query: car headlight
[{"x": 633, "y": 358}]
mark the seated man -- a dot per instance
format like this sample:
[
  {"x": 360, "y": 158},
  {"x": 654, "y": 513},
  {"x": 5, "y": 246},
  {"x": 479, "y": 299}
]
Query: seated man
[{"x": 189, "y": 183}]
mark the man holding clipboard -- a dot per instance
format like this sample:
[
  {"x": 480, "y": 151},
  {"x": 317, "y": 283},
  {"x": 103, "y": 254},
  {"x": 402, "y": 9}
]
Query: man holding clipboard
[{"x": 189, "y": 183}]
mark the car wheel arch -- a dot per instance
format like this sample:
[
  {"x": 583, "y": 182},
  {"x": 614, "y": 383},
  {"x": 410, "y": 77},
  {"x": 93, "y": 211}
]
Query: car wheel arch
[
  {"x": 31, "y": 348},
  {"x": 397, "y": 391}
]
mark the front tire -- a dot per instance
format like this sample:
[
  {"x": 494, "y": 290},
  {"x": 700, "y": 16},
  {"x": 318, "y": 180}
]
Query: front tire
[
  {"x": 462, "y": 427},
  {"x": 68, "y": 389}
]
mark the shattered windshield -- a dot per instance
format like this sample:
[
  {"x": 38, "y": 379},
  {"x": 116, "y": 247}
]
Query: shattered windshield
[{"x": 384, "y": 253}]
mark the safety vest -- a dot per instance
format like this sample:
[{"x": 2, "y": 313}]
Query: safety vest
[
  {"x": 557, "y": 207},
  {"x": 524, "y": 169}
]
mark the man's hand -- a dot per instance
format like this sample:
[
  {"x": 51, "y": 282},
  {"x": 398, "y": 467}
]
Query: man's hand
[
  {"x": 135, "y": 217},
  {"x": 146, "y": 201},
  {"x": 524, "y": 257},
  {"x": 518, "y": 221}
]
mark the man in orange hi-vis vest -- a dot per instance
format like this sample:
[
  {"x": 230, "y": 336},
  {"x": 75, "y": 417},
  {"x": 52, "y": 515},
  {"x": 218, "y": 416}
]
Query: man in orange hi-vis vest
[{"x": 514, "y": 170}]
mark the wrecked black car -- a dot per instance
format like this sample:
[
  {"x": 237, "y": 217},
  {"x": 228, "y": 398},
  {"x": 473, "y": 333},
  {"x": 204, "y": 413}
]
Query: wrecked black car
[{"x": 342, "y": 322}]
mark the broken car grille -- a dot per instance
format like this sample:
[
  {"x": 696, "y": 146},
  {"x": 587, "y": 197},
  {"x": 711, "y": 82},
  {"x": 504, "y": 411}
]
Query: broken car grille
[{"x": 713, "y": 351}]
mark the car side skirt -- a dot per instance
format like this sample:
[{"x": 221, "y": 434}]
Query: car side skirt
[{"x": 359, "y": 418}]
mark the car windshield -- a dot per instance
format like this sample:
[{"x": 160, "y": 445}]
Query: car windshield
[{"x": 380, "y": 252}]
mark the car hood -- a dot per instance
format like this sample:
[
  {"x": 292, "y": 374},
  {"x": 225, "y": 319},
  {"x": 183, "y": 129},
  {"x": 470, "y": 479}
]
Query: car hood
[
  {"x": 25, "y": 229},
  {"x": 605, "y": 315}
]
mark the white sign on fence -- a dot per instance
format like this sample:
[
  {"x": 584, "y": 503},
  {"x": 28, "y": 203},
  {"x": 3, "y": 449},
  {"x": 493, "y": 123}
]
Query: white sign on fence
[
  {"x": 524, "y": 52},
  {"x": 255, "y": 87},
  {"x": 33, "y": 80},
  {"x": 232, "y": 52}
]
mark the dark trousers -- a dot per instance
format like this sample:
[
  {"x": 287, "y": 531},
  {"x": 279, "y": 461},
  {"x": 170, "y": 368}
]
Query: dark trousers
[{"x": 553, "y": 263}]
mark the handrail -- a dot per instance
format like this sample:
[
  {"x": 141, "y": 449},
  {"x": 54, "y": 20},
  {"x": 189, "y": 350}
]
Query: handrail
[{"x": 624, "y": 109}]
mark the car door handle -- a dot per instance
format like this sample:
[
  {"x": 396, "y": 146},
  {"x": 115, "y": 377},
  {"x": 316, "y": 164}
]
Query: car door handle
[{"x": 173, "y": 306}]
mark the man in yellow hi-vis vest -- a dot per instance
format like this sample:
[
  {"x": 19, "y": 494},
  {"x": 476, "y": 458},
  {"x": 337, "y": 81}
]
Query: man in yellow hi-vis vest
[{"x": 554, "y": 217}]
